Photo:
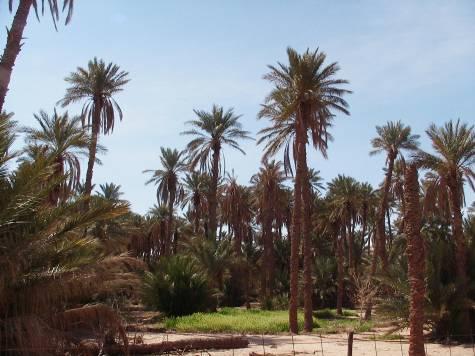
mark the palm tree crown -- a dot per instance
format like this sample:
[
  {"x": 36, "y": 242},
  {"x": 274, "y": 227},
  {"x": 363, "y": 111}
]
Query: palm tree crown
[
  {"x": 213, "y": 130},
  {"x": 63, "y": 140},
  {"x": 167, "y": 178},
  {"x": 96, "y": 85},
  {"x": 306, "y": 84},
  {"x": 392, "y": 138}
]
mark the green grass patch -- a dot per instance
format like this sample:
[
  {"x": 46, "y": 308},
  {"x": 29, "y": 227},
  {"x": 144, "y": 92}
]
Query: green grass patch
[{"x": 255, "y": 321}]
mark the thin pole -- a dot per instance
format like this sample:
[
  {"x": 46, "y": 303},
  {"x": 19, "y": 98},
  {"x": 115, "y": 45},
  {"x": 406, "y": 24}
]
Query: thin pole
[{"x": 350, "y": 343}]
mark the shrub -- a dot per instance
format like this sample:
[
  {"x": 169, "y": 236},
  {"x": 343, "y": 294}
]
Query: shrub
[{"x": 176, "y": 287}]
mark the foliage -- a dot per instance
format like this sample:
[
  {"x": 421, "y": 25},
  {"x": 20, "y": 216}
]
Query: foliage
[{"x": 176, "y": 287}]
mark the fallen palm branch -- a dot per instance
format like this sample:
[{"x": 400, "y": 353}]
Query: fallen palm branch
[{"x": 223, "y": 343}]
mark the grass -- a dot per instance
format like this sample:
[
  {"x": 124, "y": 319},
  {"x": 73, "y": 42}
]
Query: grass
[{"x": 255, "y": 321}]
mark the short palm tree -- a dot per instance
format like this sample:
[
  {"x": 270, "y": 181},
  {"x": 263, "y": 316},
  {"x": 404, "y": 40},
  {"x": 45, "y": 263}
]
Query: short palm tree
[
  {"x": 110, "y": 192},
  {"x": 62, "y": 139},
  {"x": 393, "y": 139},
  {"x": 213, "y": 130},
  {"x": 305, "y": 96},
  {"x": 15, "y": 36},
  {"x": 96, "y": 87},
  {"x": 167, "y": 179},
  {"x": 453, "y": 164}
]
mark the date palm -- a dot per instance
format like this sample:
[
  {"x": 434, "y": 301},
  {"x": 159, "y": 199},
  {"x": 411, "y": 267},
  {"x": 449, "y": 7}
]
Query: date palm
[
  {"x": 302, "y": 103},
  {"x": 7, "y": 138},
  {"x": 453, "y": 163},
  {"x": 62, "y": 139},
  {"x": 212, "y": 131},
  {"x": 169, "y": 189},
  {"x": 15, "y": 35},
  {"x": 393, "y": 139},
  {"x": 416, "y": 259},
  {"x": 96, "y": 86},
  {"x": 195, "y": 186},
  {"x": 268, "y": 189}
]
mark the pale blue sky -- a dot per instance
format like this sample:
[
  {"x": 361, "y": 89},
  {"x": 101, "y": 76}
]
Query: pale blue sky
[{"x": 408, "y": 60}]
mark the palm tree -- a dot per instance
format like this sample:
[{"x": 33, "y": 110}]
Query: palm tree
[
  {"x": 268, "y": 188},
  {"x": 110, "y": 192},
  {"x": 96, "y": 87},
  {"x": 64, "y": 141},
  {"x": 169, "y": 188},
  {"x": 195, "y": 186},
  {"x": 7, "y": 138},
  {"x": 213, "y": 130},
  {"x": 304, "y": 97},
  {"x": 344, "y": 196},
  {"x": 416, "y": 260},
  {"x": 454, "y": 144},
  {"x": 15, "y": 36},
  {"x": 393, "y": 138}
]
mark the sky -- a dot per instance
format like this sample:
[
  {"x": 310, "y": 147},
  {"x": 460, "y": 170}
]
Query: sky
[{"x": 406, "y": 60}]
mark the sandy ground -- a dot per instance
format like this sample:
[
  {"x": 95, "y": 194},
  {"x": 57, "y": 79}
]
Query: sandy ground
[{"x": 328, "y": 345}]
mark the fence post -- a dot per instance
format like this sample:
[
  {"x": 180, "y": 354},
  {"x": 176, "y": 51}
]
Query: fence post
[
  {"x": 321, "y": 344},
  {"x": 350, "y": 343}
]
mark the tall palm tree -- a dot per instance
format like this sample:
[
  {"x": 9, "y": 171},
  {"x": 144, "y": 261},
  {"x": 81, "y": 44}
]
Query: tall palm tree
[
  {"x": 15, "y": 36},
  {"x": 268, "y": 188},
  {"x": 454, "y": 144},
  {"x": 64, "y": 141},
  {"x": 305, "y": 95},
  {"x": 213, "y": 130},
  {"x": 416, "y": 260},
  {"x": 393, "y": 139},
  {"x": 169, "y": 188},
  {"x": 96, "y": 87}
]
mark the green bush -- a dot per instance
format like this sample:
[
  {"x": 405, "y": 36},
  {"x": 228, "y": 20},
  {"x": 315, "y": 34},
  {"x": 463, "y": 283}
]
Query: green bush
[{"x": 176, "y": 287}]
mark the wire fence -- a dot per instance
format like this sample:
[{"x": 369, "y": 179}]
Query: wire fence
[{"x": 364, "y": 344}]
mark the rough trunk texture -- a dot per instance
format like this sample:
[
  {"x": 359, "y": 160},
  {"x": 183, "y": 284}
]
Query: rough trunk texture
[
  {"x": 213, "y": 195},
  {"x": 416, "y": 261},
  {"x": 294, "y": 249},
  {"x": 13, "y": 47},
  {"x": 268, "y": 255},
  {"x": 460, "y": 248},
  {"x": 306, "y": 221}
]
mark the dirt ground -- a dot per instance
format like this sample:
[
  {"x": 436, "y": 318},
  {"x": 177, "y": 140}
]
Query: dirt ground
[{"x": 327, "y": 345}]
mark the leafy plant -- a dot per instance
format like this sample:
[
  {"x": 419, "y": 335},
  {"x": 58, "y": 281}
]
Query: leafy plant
[{"x": 176, "y": 287}]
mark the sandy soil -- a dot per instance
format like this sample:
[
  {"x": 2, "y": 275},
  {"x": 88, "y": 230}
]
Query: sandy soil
[{"x": 331, "y": 345}]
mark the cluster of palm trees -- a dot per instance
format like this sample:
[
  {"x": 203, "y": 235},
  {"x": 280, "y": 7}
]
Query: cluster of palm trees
[{"x": 285, "y": 221}]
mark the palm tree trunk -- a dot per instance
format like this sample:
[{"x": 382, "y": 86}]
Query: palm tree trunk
[
  {"x": 340, "y": 273},
  {"x": 267, "y": 263},
  {"x": 13, "y": 47},
  {"x": 416, "y": 262},
  {"x": 214, "y": 195},
  {"x": 294, "y": 250},
  {"x": 307, "y": 240},
  {"x": 96, "y": 125},
  {"x": 460, "y": 249},
  {"x": 170, "y": 228}
]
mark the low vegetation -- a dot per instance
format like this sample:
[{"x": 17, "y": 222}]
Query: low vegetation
[{"x": 256, "y": 321}]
